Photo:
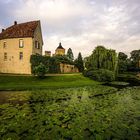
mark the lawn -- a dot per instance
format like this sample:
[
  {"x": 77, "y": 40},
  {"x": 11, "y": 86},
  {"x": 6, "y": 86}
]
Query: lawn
[{"x": 52, "y": 81}]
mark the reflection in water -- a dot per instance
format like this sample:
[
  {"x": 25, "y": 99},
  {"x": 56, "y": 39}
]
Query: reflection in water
[{"x": 14, "y": 97}]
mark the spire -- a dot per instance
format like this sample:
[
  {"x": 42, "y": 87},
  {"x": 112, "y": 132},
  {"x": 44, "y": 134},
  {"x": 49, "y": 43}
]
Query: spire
[{"x": 60, "y": 46}]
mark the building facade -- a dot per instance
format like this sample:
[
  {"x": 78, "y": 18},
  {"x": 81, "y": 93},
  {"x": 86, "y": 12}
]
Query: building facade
[
  {"x": 17, "y": 43},
  {"x": 48, "y": 53}
]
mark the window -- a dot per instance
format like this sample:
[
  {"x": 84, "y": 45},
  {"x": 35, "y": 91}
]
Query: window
[
  {"x": 21, "y": 43},
  {"x": 4, "y": 44},
  {"x": 37, "y": 45},
  {"x": 21, "y": 55},
  {"x": 5, "y": 56}
]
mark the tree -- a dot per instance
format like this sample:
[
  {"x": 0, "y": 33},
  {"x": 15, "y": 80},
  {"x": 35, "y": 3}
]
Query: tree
[
  {"x": 79, "y": 62},
  {"x": 122, "y": 56},
  {"x": 70, "y": 54},
  {"x": 36, "y": 60},
  {"x": 40, "y": 70},
  {"x": 102, "y": 58},
  {"x": 135, "y": 58},
  {"x": 122, "y": 62}
]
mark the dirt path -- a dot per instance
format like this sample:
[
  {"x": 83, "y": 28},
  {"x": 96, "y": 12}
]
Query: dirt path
[{"x": 2, "y": 74}]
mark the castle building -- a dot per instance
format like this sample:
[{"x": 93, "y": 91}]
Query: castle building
[
  {"x": 17, "y": 43},
  {"x": 64, "y": 67},
  {"x": 60, "y": 50},
  {"x": 48, "y": 53}
]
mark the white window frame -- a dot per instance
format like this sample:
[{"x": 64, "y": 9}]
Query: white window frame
[
  {"x": 4, "y": 44},
  {"x": 21, "y": 43}
]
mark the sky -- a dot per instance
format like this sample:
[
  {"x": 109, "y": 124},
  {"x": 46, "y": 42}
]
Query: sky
[{"x": 79, "y": 24}]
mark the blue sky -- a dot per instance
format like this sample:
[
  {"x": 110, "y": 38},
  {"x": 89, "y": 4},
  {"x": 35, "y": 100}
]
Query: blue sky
[{"x": 79, "y": 24}]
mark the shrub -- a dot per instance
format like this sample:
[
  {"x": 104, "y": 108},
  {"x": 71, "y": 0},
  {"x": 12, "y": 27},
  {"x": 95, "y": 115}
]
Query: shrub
[
  {"x": 88, "y": 73},
  {"x": 40, "y": 70},
  {"x": 101, "y": 75},
  {"x": 36, "y": 60}
]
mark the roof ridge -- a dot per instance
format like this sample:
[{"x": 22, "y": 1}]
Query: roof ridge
[
  {"x": 25, "y": 29},
  {"x": 23, "y": 23}
]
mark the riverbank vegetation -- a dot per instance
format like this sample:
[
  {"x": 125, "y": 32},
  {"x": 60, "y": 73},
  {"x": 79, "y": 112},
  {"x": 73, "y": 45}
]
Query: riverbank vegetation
[{"x": 106, "y": 65}]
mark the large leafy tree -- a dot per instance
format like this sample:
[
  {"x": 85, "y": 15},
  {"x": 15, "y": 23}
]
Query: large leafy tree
[
  {"x": 70, "y": 54},
  {"x": 79, "y": 62},
  {"x": 122, "y": 62},
  {"x": 102, "y": 58},
  {"x": 135, "y": 58}
]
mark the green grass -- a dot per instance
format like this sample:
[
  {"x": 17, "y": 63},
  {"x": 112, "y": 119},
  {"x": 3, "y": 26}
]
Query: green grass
[
  {"x": 32, "y": 83},
  {"x": 72, "y": 114}
]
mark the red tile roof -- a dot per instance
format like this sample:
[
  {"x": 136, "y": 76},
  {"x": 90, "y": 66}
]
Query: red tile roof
[{"x": 20, "y": 30}]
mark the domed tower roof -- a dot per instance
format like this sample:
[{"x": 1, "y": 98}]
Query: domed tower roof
[{"x": 60, "y": 46}]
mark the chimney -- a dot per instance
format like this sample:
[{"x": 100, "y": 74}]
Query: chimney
[
  {"x": 15, "y": 22},
  {"x": 2, "y": 30}
]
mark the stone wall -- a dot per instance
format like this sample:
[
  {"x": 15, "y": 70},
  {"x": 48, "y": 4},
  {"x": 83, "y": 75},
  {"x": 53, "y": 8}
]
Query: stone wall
[{"x": 67, "y": 68}]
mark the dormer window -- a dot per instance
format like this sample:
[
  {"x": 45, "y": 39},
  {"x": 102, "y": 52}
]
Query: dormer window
[
  {"x": 4, "y": 44},
  {"x": 21, "y": 43}
]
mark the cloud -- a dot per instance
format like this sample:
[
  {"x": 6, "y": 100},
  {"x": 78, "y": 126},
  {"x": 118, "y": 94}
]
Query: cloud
[{"x": 79, "y": 24}]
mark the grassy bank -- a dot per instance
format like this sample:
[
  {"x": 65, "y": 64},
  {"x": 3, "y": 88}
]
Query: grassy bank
[{"x": 51, "y": 81}]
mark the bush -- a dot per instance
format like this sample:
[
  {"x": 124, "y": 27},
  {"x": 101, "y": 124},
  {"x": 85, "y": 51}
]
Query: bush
[
  {"x": 101, "y": 75},
  {"x": 88, "y": 73},
  {"x": 36, "y": 60},
  {"x": 40, "y": 70}
]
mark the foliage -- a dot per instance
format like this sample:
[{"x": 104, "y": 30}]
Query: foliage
[
  {"x": 122, "y": 56},
  {"x": 79, "y": 63},
  {"x": 51, "y": 63},
  {"x": 64, "y": 59},
  {"x": 102, "y": 58},
  {"x": 99, "y": 112},
  {"x": 129, "y": 77},
  {"x": 70, "y": 54},
  {"x": 122, "y": 62},
  {"x": 102, "y": 64},
  {"x": 54, "y": 65},
  {"x": 134, "y": 64},
  {"x": 40, "y": 70},
  {"x": 36, "y": 60},
  {"x": 101, "y": 75}
]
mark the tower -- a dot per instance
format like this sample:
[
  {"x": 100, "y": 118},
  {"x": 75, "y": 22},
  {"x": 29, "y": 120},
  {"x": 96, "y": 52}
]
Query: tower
[{"x": 60, "y": 50}]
